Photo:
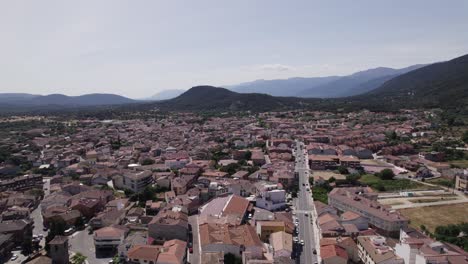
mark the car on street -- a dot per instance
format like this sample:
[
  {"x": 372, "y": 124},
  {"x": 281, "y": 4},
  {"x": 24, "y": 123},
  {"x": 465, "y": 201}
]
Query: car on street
[
  {"x": 315, "y": 252},
  {"x": 69, "y": 231},
  {"x": 306, "y": 214},
  {"x": 302, "y": 242},
  {"x": 14, "y": 257}
]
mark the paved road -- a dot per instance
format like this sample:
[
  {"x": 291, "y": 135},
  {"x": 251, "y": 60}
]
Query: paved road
[
  {"x": 36, "y": 216},
  {"x": 305, "y": 211},
  {"x": 82, "y": 242},
  {"x": 195, "y": 257}
]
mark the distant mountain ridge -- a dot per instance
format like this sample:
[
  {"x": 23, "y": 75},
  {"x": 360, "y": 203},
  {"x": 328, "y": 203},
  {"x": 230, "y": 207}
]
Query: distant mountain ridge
[
  {"x": 324, "y": 87},
  {"x": 439, "y": 85},
  {"x": 166, "y": 94},
  {"x": 282, "y": 87},
  {"x": 27, "y": 100}
]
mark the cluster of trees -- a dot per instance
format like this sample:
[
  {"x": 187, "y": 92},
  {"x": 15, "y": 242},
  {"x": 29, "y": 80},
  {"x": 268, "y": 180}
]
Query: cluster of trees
[
  {"x": 385, "y": 174},
  {"x": 149, "y": 193},
  {"x": 454, "y": 234}
]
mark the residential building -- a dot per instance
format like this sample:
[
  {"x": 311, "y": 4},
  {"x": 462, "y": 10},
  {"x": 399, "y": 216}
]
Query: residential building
[
  {"x": 136, "y": 182},
  {"x": 58, "y": 250},
  {"x": 226, "y": 238},
  {"x": 109, "y": 237},
  {"x": 21, "y": 183},
  {"x": 229, "y": 209},
  {"x": 416, "y": 248},
  {"x": 169, "y": 223},
  {"x": 266, "y": 228},
  {"x": 374, "y": 250},
  {"x": 333, "y": 254},
  {"x": 281, "y": 243},
  {"x": 270, "y": 197},
  {"x": 360, "y": 201}
]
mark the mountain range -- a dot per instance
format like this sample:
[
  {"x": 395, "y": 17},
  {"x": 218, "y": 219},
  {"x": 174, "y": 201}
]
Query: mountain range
[
  {"x": 439, "y": 85},
  {"x": 31, "y": 100},
  {"x": 324, "y": 87}
]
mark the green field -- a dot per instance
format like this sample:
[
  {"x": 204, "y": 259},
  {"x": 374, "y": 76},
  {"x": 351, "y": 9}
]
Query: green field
[
  {"x": 391, "y": 185},
  {"x": 320, "y": 194},
  {"x": 442, "y": 182}
]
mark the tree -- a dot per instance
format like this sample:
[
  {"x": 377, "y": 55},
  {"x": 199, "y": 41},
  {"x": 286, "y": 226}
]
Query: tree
[
  {"x": 248, "y": 155},
  {"x": 465, "y": 137},
  {"x": 147, "y": 162},
  {"x": 343, "y": 170},
  {"x": 332, "y": 179},
  {"x": 78, "y": 258},
  {"x": 353, "y": 178},
  {"x": 57, "y": 228},
  {"x": 230, "y": 258},
  {"x": 386, "y": 174}
]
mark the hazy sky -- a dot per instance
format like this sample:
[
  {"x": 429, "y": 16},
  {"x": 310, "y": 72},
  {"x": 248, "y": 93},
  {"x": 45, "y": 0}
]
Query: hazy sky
[{"x": 137, "y": 48}]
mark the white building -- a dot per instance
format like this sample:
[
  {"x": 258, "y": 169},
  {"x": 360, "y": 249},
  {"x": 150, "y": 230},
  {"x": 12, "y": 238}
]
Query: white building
[
  {"x": 109, "y": 237},
  {"x": 270, "y": 197}
]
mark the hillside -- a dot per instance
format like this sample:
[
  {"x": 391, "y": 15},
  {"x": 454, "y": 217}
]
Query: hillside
[
  {"x": 440, "y": 85},
  {"x": 23, "y": 100},
  {"x": 356, "y": 83},
  {"x": 323, "y": 87},
  {"x": 209, "y": 98}
]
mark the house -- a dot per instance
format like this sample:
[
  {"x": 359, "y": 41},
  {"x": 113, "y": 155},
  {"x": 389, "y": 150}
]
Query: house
[
  {"x": 265, "y": 228},
  {"x": 107, "y": 218},
  {"x": 173, "y": 252},
  {"x": 333, "y": 254},
  {"x": 141, "y": 254},
  {"x": 374, "y": 250},
  {"x": 258, "y": 158},
  {"x": 21, "y": 230},
  {"x": 282, "y": 244},
  {"x": 229, "y": 209},
  {"x": 87, "y": 207},
  {"x": 416, "y": 248},
  {"x": 7, "y": 244},
  {"x": 136, "y": 182},
  {"x": 346, "y": 243},
  {"x": 169, "y": 223},
  {"x": 226, "y": 238},
  {"x": 270, "y": 197},
  {"x": 133, "y": 239},
  {"x": 58, "y": 248},
  {"x": 109, "y": 237}
]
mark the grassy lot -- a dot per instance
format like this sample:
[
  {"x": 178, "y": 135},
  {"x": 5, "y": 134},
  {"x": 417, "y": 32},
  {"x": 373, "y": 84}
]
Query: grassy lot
[
  {"x": 460, "y": 163},
  {"x": 433, "y": 216},
  {"x": 442, "y": 182},
  {"x": 320, "y": 194},
  {"x": 391, "y": 185}
]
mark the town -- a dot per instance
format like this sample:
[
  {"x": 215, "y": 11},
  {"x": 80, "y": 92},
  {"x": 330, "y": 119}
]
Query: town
[{"x": 275, "y": 187}]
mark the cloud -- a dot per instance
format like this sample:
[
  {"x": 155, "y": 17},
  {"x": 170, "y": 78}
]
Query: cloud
[{"x": 275, "y": 67}]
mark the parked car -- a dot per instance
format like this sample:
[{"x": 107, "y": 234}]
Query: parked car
[
  {"x": 14, "y": 257},
  {"x": 69, "y": 231}
]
